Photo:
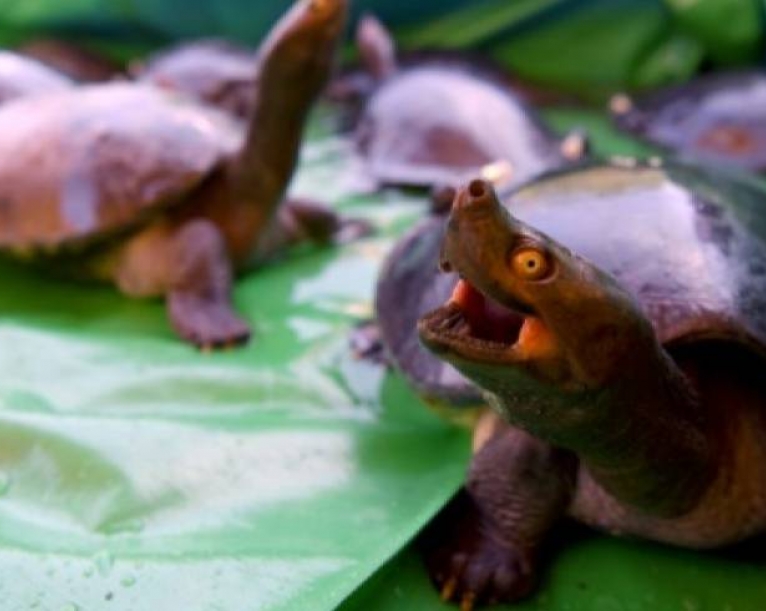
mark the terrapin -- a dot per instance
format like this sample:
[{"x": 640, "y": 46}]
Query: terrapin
[
  {"x": 127, "y": 183},
  {"x": 614, "y": 319},
  {"x": 436, "y": 120},
  {"x": 718, "y": 118}
]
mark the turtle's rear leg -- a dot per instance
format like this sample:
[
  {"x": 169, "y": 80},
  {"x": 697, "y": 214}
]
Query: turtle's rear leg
[
  {"x": 484, "y": 547},
  {"x": 187, "y": 263}
]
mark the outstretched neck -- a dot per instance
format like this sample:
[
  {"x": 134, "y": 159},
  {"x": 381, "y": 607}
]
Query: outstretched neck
[
  {"x": 293, "y": 66},
  {"x": 651, "y": 447}
]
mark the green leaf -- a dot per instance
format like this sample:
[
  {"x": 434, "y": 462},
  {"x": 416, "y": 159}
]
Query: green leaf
[{"x": 139, "y": 472}]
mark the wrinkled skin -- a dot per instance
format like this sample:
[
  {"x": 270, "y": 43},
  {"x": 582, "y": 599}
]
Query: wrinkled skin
[
  {"x": 171, "y": 201},
  {"x": 625, "y": 386},
  {"x": 717, "y": 118}
]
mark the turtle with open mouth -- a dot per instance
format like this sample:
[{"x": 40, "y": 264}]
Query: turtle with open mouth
[
  {"x": 718, "y": 118},
  {"x": 614, "y": 319}
]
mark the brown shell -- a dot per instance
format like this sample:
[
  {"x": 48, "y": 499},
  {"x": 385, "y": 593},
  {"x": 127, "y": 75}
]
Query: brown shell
[
  {"x": 440, "y": 123},
  {"x": 93, "y": 160},
  {"x": 719, "y": 118},
  {"x": 21, "y": 76}
]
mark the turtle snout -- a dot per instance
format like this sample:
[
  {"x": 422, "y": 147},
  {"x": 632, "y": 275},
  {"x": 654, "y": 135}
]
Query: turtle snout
[{"x": 476, "y": 195}]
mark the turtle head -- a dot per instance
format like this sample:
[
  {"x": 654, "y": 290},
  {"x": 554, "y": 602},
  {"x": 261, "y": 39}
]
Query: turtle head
[
  {"x": 307, "y": 35},
  {"x": 528, "y": 317}
]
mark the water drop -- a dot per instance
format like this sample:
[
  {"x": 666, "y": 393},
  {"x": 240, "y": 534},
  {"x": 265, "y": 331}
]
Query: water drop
[
  {"x": 104, "y": 562},
  {"x": 70, "y": 607},
  {"x": 128, "y": 581}
]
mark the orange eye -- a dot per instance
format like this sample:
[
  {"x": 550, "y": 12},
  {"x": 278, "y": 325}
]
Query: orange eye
[{"x": 529, "y": 264}]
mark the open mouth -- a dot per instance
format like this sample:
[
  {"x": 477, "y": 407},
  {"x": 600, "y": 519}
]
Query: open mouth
[{"x": 473, "y": 324}]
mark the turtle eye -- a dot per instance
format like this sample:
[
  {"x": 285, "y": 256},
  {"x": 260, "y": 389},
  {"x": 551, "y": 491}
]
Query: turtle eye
[{"x": 529, "y": 264}]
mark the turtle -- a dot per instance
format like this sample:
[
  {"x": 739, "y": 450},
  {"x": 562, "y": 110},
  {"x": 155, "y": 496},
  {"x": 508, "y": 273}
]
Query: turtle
[
  {"x": 78, "y": 62},
  {"x": 613, "y": 318},
  {"x": 23, "y": 76},
  {"x": 719, "y": 118},
  {"x": 213, "y": 71},
  {"x": 127, "y": 183},
  {"x": 439, "y": 118}
]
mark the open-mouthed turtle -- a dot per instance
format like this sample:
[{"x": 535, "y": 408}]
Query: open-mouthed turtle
[
  {"x": 614, "y": 318},
  {"x": 22, "y": 76},
  {"x": 436, "y": 120},
  {"x": 215, "y": 72},
  {"x": 718, "y": 118},
  {"x": 162, "y": 196}
]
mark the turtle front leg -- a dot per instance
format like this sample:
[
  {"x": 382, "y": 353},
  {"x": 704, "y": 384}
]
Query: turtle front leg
[
  {"x": 484, "y": 547},
  {"x": 300, "y": 220},
  {"x": 189, "y": 264}
]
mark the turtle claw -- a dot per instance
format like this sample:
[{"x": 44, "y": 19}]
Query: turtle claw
[
  {"x": 470, "y": 566},
  {"x": 367, "y": 345},
  {"x": 208, "y": 325}
]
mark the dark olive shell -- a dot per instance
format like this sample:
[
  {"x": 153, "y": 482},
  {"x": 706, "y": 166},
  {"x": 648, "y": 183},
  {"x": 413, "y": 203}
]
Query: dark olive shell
[
  {"x": 689, "y": 243},
  {"x": 719, "y": 118},
  {"x": 213, "y": 71},
  {"x": 438, "y": 123},
  {"x": 91, "y": 160},
  {"x": 21, "y": 76}
]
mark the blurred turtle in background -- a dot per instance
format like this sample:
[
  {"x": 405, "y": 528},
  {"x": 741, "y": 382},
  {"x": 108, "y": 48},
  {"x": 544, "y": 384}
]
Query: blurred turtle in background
[
  {"x": 75, "y": 61},
  {"x": 717, "y": 118},
  {"x": 161, "y": 195},
  {"x": 214, "y": 71},
  {"x": 437, "y": 119}
]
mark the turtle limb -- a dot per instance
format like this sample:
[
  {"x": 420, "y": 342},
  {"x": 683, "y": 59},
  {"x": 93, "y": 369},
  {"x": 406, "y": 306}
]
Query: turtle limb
[
  {"x": 377, "y": 49},
  {"x": 484, "y": 548},
  {"x": 190, "y": 266},
  {"x": 301, "y": 220}
]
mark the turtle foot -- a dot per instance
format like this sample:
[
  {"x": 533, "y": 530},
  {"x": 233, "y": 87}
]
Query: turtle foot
[
  {"x": 206, "y": 324},
  {"x": 469, "y": 564},
  {"x": 366, "y": 343}
]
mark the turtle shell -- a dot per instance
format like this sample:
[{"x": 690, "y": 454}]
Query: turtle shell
[
  {"x": 719, "y": 118},
  {"x": 21, "y": 76},
  {"x": 211, "y": 71},
  {"x": 439, "y": 123},
  {"x": 94, "y": 160},
  {"x": 688, "y": 243}
]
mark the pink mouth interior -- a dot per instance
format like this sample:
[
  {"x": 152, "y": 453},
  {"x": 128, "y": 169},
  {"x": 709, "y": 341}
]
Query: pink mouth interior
[{"x": 487, "y": 319}]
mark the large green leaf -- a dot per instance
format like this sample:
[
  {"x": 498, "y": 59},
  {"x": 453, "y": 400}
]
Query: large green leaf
[{"x": 137, "y": 470}]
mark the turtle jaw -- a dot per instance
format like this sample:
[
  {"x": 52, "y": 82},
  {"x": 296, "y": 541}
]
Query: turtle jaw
[
  {"x": 492, "y": 316},
  {"x": 473, "y": 327}
]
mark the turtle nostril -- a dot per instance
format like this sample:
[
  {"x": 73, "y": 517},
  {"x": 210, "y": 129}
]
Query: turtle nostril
[{"x": 477, "y": 188}]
